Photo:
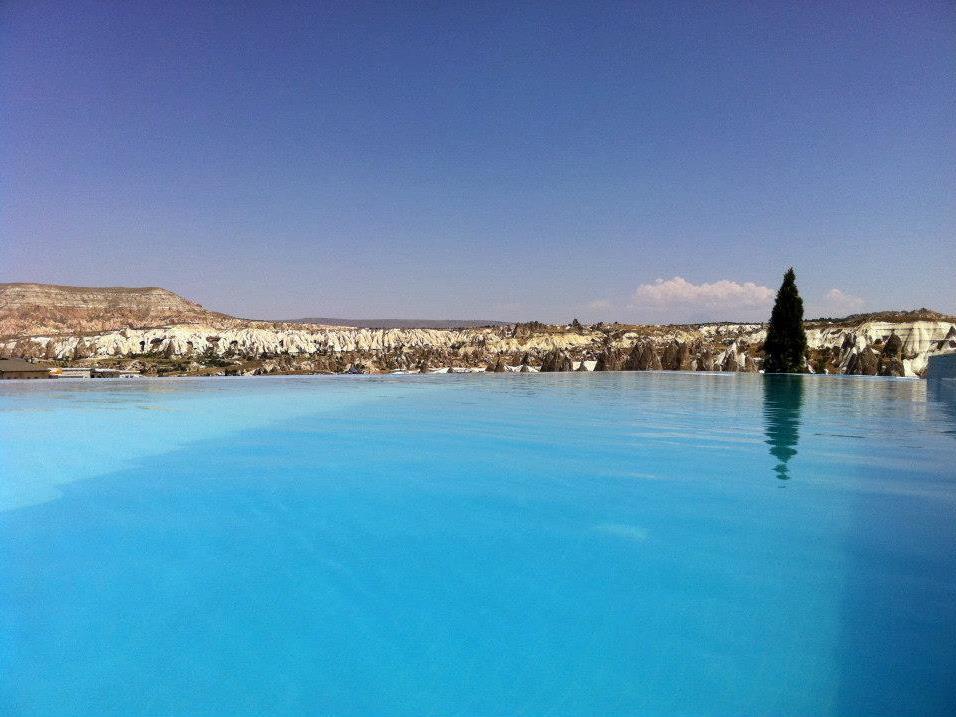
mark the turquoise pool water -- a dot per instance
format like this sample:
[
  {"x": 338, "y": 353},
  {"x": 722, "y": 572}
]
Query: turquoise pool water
[{"x": 597, "y": 544}]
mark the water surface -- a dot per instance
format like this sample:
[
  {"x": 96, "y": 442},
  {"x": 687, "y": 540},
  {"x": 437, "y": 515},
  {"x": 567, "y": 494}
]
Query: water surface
[{"x": 622, "y": 543}]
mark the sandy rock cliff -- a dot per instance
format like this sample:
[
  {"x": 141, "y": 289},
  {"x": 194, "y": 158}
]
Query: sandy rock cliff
[
  {"x": 52, "y": 309},
  {"x": 107, "y": 326}
]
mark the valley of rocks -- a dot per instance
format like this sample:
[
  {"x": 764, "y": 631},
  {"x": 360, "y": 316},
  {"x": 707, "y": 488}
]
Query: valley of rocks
[{"x": 158, "y": 332}]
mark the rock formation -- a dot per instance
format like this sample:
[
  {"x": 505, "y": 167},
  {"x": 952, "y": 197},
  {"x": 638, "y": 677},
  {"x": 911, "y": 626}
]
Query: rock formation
[
  {"x": 156, "y": 331},
  {"x": 863, "y": 363},
  {"x": 610, "y": 359},
  {"x": 891, "y": 358},
  {"x": 556, "y": 360},
  {"x": 643, "y": 357},
  {"x": 499, "y": 366},
  {"x": 51, "y": 309}
]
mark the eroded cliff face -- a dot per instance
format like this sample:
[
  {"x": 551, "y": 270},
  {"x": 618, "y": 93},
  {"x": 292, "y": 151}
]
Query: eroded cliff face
[
  {"x": 870, "y": 348},
  {"x": 182, "y": 337}
]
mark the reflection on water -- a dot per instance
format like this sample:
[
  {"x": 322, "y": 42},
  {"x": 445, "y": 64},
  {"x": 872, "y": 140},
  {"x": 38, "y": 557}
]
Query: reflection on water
[
  {"x": 782, "y": 399},
  {"x": 291, "y": 540}
]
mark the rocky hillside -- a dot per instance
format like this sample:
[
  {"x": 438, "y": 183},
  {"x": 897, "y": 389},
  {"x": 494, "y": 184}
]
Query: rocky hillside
[
  {"x": 29, "y": 309},
  {"x": 401, "y": 323},
  {"x": 160, "y": 333}
]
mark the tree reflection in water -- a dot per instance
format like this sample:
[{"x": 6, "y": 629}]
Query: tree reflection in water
[{"x": 782, "y": 400}]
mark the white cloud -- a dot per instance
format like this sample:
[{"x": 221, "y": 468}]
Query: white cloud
[
  {"x": 719, "y": 294},
  {"x": 838, "y": 300},
  {"x": 599, "y": 304}
]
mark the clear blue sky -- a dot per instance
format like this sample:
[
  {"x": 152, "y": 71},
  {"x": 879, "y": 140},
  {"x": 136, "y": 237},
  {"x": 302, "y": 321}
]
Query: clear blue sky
[{"x": 493, "y": 160}]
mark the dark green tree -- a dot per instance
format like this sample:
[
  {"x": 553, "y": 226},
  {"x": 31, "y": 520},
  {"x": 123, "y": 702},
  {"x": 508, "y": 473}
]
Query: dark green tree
[{"x": 786, "y": 345}]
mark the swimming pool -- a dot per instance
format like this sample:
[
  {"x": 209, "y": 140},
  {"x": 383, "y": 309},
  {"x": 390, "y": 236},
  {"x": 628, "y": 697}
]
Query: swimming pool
[{"x": 568, "y": 544}]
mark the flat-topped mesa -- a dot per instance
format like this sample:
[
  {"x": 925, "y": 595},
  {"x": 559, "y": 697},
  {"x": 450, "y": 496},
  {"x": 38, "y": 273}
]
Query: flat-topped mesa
[
  {"x": 159, "y": 332},
  {"x": 30, "y": 309}
]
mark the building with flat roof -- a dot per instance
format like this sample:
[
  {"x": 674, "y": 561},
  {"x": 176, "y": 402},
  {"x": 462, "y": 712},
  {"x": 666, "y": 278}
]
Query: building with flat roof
[{"x": 18, "y": 368}]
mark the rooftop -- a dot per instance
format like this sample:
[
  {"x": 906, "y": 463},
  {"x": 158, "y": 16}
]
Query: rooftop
[{"x": 19, "y": 365}]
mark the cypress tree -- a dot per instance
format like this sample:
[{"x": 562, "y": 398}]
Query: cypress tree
[{"x": 786, "y": 345}]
